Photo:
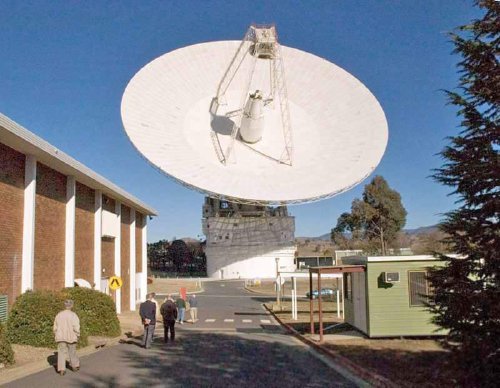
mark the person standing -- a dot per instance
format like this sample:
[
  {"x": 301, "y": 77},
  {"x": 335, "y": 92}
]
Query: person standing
[
  {"x": 147, "y": 311},
  {"x": 193, "y": 309},
  {"x": 66, "y": 331},
  {"x": 169, "y": 313},
  {"x": 153, "y": 294},
  {"x": 181, "y": 306}
]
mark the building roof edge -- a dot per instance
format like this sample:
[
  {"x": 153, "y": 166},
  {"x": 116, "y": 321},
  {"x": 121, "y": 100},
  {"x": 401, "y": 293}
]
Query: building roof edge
[{"x": 21, "y": 139}]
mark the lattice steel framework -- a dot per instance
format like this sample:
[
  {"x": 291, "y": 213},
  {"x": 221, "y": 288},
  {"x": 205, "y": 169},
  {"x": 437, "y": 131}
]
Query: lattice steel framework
[{"x": 259, "y": 43}]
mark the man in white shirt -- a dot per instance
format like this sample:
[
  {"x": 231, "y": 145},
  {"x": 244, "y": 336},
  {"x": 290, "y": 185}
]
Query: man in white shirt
[{"x": 67, "y": 330}]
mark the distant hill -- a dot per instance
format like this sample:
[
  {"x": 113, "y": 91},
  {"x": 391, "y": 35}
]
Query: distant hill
[
  {"x": 423, "y": 229},
  {"x": 189, "y": 240},
  {"x": 411, "y": 232}
]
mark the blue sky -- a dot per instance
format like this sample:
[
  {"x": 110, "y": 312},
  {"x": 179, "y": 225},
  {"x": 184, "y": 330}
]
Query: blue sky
[{"x": 65, "y": 64}]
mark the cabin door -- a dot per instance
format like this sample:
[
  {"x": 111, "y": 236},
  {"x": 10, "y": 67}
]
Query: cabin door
[{"x": 359, "y": 300}]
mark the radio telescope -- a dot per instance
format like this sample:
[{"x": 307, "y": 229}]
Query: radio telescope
[{"x": 253, "y": 124}]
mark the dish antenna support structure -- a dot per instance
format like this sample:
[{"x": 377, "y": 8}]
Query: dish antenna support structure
[
  {"x": 232, "y": 97},
  {"x": 259, "y": 43}
]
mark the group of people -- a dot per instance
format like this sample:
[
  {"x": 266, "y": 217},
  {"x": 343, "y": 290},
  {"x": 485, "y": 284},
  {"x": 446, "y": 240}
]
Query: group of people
[
  {"x": 171, "y": 312},
  {"x": 67, "y": 325}
]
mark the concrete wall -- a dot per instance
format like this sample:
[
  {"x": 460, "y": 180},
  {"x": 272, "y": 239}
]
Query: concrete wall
[{"x": 246, "y": 262}]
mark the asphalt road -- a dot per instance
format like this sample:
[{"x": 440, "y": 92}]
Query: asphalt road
[{"x": 234, "y": 343}]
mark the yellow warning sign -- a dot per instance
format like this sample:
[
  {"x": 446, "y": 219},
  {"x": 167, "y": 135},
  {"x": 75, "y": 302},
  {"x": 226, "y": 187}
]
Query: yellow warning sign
[{"x": 115, "y": 282}]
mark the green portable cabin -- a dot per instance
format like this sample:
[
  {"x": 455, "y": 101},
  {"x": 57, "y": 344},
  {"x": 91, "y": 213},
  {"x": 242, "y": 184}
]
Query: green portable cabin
[{"x": 387, "y": 300}]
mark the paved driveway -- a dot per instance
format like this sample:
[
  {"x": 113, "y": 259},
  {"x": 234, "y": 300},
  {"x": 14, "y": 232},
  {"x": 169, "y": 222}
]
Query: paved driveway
[{"x": 235, "y": 343}]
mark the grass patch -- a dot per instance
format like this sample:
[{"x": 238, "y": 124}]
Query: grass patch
[
  {"x": 409, "y": 362},
  {"x": 173, "y": 286},
  {"x": 406, "y": 362}
]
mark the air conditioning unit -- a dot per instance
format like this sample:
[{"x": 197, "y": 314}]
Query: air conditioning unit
[{"x": 391, "y": 277}]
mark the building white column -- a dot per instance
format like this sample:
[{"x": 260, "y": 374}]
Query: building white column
[
  {"x": 144, "y": 250},
  {"x": 97, "y": 239},
  {"x": 118, "y": 243},
  {"x": 69, "y": 267},
  {"x": 132, "y": 259},
  {"x": 29, "y": 224}
]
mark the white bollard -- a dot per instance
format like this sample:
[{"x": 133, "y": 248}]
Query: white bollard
[{"x": 338, "y": 304}]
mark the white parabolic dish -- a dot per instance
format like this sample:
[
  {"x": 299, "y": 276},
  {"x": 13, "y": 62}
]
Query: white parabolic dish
[{"x": 339, "y": 129}]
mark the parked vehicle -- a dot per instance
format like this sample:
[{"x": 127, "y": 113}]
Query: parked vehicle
[{"x": 325, "y": 293}]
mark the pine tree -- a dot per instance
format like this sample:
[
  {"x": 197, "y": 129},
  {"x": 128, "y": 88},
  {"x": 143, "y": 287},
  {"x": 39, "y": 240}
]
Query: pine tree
[{"x": 466, "y": 292}]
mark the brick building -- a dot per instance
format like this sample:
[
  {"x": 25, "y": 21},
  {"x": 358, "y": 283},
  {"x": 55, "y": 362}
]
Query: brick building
[{"x": 61, "y": 223}]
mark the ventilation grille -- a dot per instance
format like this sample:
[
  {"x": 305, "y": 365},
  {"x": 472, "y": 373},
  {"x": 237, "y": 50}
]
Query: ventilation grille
[{"x": 3, "y": 308}]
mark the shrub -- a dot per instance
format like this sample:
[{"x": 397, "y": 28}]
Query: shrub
[
  {"x": 96, "y": 310},
  {"x": 32, "y": 318},
  {"x": 6, "y": 353}
]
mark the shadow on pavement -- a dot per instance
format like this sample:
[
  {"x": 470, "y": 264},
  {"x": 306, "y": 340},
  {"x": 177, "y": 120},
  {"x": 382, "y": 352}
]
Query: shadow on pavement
[
  {"x": 136, "y": 341},
  {"x": 52, "y": 360},
  {"x": 106, "y": 381},
  {"x": 213, "y": 360},
  {"x": 263, "y": 299}
]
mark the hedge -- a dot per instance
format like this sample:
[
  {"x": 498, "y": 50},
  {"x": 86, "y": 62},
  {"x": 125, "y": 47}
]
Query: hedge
[
  {"x": 6, "y": 353},
  {"x": 32, "y": 318},
  {"x": 96, "y": 310}
]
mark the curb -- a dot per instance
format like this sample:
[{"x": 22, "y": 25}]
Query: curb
[
  {"x": 371, "y": 377},
  {"x": 258, "y": 293},
  {"x": 273, "y": 295},
  {"x": 187, "y": 293}
]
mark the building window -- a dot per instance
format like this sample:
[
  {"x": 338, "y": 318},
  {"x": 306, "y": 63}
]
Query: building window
[
  {"x": 418, "y": 288},
  {"x": 348, "y": 286}
]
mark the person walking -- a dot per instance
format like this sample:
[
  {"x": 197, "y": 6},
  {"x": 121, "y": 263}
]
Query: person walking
[
  {"x": 193, "y": 308},
  {"x": 169, "y": 313},
  {"x": 66, "y": 331},
  {"x": 181, "y": 306},
  {"x": 147, "y": 311}
]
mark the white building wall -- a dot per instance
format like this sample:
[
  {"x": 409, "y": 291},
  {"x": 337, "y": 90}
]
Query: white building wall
[
  {"x": 144, "y": 279},
  {"x": 246, "y": 262},
  {"x": 118, "y": 254},
  {"x": 132, "y": 261},
  {"x": 97, "y": 240},
  {"x": 69, "y": 260},
  {"x": 29, "y": 224}
]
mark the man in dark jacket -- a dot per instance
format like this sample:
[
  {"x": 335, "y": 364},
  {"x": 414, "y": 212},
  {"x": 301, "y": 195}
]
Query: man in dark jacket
[
  {"x": 147, "y": 312},
  {"x": 169, "y": 313}
]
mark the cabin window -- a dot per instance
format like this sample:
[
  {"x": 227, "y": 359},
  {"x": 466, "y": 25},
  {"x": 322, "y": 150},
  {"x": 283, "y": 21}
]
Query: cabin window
[
  {"x": 418, "y": 288},
  {"x": 348, "y": 286}
]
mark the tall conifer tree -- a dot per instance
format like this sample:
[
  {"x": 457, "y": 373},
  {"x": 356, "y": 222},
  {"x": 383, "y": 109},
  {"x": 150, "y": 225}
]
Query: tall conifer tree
[{"x": 466, "y": 297}]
